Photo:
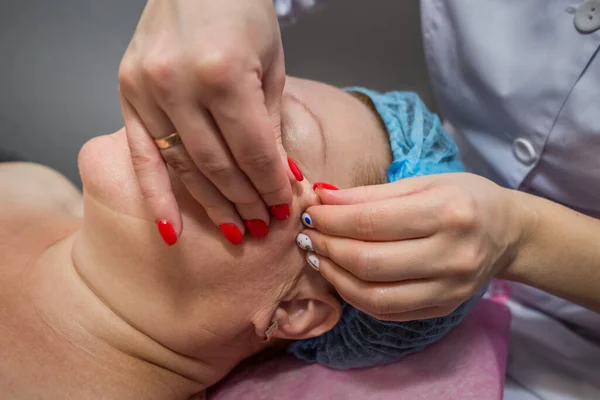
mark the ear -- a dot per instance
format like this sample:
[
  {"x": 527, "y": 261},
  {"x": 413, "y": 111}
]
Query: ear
[{"x": 312, "y": 311}]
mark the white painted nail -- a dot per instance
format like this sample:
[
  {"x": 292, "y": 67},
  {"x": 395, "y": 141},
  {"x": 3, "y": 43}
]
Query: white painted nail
[
  {"x": 313, "y": 260},
  {"x": 304, "y": 242},
  {"x": 307, "y": 220}
]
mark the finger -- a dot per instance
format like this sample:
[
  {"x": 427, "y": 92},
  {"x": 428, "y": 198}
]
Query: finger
[
  {"x": 424, "y": 313},
  {"x": 251, "y": 135},
  {"x": 221, "y": 212},
  {"x": 375, "y": 261},
  {"x": 150, "y": 169},
  {"x": 384, "y": 220},
  {"x": 274, "y": 82},
  {"x": 379, "y": 298},
  {"x": 365, "y": 194},
  {"x": 210, "y": 154}
]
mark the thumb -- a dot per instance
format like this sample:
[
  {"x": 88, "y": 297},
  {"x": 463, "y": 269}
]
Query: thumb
[
  {"x": 366, "y": 194},
  {"x": 273, "y": 85}
]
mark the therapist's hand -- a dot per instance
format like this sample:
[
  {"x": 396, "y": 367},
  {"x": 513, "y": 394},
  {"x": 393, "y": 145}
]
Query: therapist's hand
[
  {"x": 416, "y": 248},
  {"x": 212, "y": 71}
]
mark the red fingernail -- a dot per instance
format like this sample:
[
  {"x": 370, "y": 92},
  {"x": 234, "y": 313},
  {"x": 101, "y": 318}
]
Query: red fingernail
[
  {"x": 323, "y": 185},
  {"x": 257, "y": 228},
  {"x": 295, "y": 170},
  {"x": 167, "y": 233},
  {"x": 280, "y": 211},
  {"x": 232, "y": 233}
]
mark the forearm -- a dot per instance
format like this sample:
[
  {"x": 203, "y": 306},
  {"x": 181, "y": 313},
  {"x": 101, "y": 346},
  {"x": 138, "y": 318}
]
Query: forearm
[{"x": 559, "y": 251}]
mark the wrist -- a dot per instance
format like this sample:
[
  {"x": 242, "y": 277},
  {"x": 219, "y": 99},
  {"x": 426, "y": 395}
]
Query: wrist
[{"x": 524, "y": 223}]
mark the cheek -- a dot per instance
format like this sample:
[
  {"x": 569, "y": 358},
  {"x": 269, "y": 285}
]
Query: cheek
[{"x": 273, "y": 264}]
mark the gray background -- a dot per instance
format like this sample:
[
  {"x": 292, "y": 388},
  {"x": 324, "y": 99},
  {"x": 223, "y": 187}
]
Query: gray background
[{"x": 59, "y": 62}]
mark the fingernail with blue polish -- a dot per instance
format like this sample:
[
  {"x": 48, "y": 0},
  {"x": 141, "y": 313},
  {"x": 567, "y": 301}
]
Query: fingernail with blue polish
[
  {"x": 307, "y": 220},
  {"x": 304, "y": 242},
  {"x": 313, "y": 260}
]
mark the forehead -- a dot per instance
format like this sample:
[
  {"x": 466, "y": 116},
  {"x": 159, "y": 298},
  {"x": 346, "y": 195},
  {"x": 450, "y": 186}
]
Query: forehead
[
  {"x": 319, "y": 97},
  {"x": 352, "y": 132}
]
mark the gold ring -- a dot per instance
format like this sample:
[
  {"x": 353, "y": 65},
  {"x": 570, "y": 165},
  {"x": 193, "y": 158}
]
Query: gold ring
[{"x": 168, "y": 141}]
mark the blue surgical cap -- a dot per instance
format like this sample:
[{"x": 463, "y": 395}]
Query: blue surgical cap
[{"x": 420, "y": 146}]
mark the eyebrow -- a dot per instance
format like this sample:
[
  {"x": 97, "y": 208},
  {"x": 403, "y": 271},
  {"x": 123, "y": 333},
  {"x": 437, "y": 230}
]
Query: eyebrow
[{"x": 317, "y": 121}]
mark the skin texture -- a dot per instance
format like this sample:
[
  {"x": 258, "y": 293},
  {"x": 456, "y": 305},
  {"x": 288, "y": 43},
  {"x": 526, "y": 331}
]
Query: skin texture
[{"x": 93, "y": 305}]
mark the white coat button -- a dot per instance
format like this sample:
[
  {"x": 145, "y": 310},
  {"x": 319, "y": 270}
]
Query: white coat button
[
  {"x": 524, "y": 151},
  {"x": 587, "y": 17}
]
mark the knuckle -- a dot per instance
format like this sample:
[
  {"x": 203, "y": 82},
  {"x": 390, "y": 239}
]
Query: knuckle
[
  {"x": 160, "y": 72},
  {"x": 461, "y": 213},
  {"x": 366, "y": 222},
  {"x": 365, "y": 264},
  {"x": 467, "y": 262},
  {"x": 143, "y": 163},
  {"x": 278, "y": 82},
  {"x": 379, "y": 303},
  {"x": 218, "y": 67},
  {"x": 127, "y": 77},
  {"x": 323, "y": 245},
  {"x": 258, "y": 161},
  {"x": 180, "y": 164},
  {"x": 216, "y": 168}
]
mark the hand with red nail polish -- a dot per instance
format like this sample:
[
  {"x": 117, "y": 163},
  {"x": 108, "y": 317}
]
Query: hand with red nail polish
[{"x": 238, "y": 174}]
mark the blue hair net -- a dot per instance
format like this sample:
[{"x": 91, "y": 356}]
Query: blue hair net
[{"x": 420, "y": 146}]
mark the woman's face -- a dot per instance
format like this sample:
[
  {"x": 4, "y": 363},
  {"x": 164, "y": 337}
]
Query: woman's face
[{"x": 204, "y": 287}]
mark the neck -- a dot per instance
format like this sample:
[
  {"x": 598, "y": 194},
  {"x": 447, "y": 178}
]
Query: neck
[{"x": 81, "y": 299}]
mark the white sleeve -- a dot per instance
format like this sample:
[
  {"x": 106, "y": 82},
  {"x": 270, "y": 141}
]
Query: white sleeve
[{"x": 290, "y": 10}]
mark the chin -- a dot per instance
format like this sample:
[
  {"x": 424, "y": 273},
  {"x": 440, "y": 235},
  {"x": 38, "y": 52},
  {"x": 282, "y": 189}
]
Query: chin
[{"x": 106, "y": 171}]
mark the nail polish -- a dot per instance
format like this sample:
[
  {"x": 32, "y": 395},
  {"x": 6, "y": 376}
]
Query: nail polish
[
  {"x": 323, "y": 185},
  {"x": 313, "y": 260},
  {"x": 232, "y": 233},
  {"x": 307, "y": 220},
  {"x": 280, "y": 211},
  {"x": 167, "y": 233},
  {"x": 295, "y": 170},
  {"x": 304, "y": 242},
  {"x": 257, "y": 227}
]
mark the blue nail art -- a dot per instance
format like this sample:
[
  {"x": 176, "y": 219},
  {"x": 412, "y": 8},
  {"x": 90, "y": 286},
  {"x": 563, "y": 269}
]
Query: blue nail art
[{"x": 306, "y": 220}]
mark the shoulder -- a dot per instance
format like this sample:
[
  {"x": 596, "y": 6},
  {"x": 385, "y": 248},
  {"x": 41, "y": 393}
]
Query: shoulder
[
  {"x": 34, "y": 186},
  {"x": 38, "y": 206}
]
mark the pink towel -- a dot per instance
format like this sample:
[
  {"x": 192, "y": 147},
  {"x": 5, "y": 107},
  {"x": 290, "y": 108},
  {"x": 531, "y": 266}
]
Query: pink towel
[{"x": 468, "y": 364}]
